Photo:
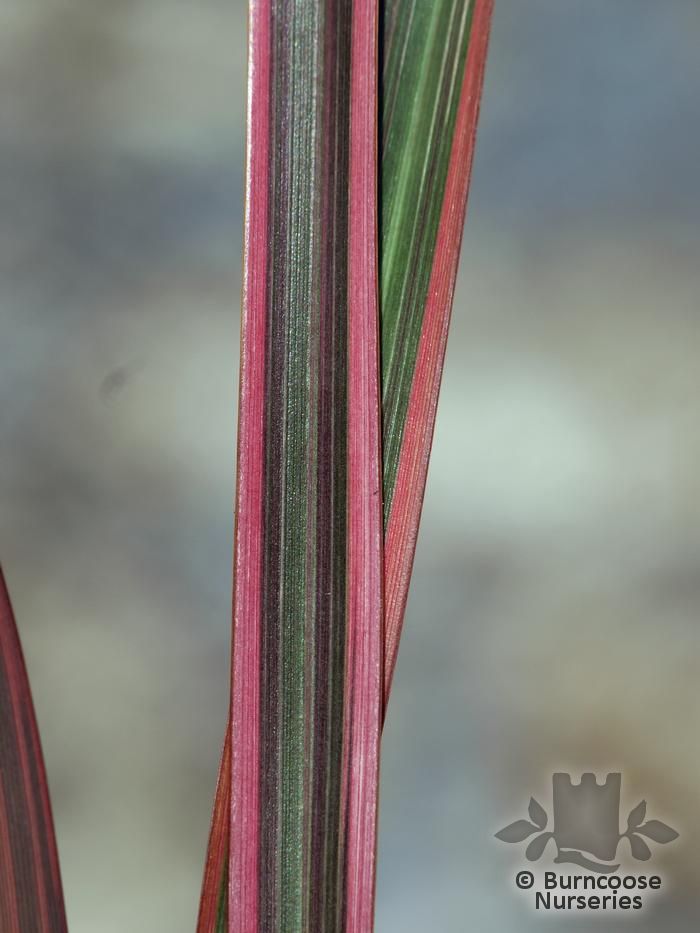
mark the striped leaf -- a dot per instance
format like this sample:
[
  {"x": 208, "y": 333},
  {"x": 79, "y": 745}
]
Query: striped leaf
[
  {"x": 430, "y": 115},
  {"x": 307, "y": 671},
  {"x": 31, "y": 897},
  {"x": 432, "y": 54}
]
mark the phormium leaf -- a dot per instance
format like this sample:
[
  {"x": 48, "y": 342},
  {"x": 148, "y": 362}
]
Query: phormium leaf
[
  {"x": 307, "y": 641},
  {"x": 31, "y": 897},
  {"x": 293, "y": 331},
  {"x": 424, "y": 53},
  {"x": 412, "y": 436}
]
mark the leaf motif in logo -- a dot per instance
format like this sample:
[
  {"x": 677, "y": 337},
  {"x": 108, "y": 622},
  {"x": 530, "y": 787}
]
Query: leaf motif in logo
[
  {"x": 640, "y": 850},
  {"x": 637, "y": 815},
  {"x": 537, "y": 814},
  {"x": 658, "y": 831},
  {"x": 537, "y": 846},
  {"x": 516, "y": 832}
]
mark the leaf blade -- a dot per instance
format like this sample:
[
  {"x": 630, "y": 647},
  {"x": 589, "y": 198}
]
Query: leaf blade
[
  {"x": 307, "y": 601},
  {"x": 213, "y": 902},
  {"x": 31, "y": 896},
  {"x": 424, "y": 63},
  {"x": 417, "y": 432},
  {"x": 402, "y": 522},
  {"x": 244, "y": 841}
]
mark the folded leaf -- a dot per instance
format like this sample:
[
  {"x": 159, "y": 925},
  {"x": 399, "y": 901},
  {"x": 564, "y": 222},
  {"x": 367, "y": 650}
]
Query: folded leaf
[{"x": 31, "y": 898}]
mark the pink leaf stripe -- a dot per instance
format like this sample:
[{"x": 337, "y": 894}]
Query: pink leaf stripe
[
  {"x": 245, "y": 666},
  {"x": 364, "y": 668},
  {"x": 31, "y": 899}
]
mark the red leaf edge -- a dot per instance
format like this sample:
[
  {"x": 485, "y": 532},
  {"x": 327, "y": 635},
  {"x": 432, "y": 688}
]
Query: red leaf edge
[{"x": 245, "y": 712}]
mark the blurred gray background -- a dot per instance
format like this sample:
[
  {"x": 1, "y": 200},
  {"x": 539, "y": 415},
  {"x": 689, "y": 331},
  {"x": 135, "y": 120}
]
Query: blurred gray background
[{"x": 553, "y": 621}]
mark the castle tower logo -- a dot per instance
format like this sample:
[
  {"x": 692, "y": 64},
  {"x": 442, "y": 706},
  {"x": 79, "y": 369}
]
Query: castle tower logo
[{"x": 586, "y": 825}]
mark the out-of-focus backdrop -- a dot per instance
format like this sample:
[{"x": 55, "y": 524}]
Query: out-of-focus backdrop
[{"x": 554, "y": 616}]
